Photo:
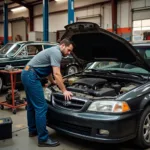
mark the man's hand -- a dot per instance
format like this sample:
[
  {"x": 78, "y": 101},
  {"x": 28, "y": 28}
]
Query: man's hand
[{"x": 68, "y": 95}]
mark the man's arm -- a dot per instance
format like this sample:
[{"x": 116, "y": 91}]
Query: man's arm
[
  {"x": 58, "y": 78},
  {"x": 59, "y": 81},
  {"x": 50, "y": 78}
]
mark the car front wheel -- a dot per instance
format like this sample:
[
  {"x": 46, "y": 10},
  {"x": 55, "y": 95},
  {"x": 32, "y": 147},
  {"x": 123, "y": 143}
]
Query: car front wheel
[
  {"x": 143, "y": 135},
  {"x": 72, "y": 69},
  {"x": 1, "y": 83}
]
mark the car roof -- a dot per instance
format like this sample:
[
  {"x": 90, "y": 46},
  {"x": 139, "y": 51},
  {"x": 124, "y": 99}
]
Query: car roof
[{"x": 29, "y": 42}]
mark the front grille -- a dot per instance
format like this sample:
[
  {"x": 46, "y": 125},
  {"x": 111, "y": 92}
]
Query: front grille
[
  {"x": 72, "y": 127},
  {"x": 73, "y": 104}
]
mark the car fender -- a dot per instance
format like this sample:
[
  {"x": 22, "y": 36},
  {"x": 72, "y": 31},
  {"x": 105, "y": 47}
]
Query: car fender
[
  {"x": 145, "y": 101},
  {"x": 138, "y": 96}
]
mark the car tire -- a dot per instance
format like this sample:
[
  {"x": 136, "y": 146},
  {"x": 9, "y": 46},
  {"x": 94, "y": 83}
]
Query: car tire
[
  {"x": 143, "y": 134},
  {"x": 72, "y": 69},
  {"x": 1, "y": 83}
]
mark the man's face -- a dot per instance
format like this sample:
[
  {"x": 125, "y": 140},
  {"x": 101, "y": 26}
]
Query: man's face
[{"x": 66, "y": 50}]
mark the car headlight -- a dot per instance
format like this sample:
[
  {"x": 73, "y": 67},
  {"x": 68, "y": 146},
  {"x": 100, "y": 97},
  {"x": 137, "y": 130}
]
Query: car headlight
[
  {"x": 47, "y": 94},
  {"x": 109, "y": 106}
]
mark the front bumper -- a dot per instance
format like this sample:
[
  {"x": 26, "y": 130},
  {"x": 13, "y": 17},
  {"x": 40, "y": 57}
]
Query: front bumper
[{"x": 87, "y": 125}]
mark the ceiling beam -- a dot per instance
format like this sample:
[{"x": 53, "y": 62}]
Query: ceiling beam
[
  {"x": 38, "y": 2},
  {"x": 21, "y": 3},
  {"x": 7, "y": 3}
]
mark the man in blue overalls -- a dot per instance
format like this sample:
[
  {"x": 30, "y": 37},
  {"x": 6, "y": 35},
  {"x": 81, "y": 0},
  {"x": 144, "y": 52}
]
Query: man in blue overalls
[{"x": 41, "y": 65}]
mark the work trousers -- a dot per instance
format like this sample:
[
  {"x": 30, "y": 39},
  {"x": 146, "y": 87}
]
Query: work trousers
[{"x": 36, "y": 104}]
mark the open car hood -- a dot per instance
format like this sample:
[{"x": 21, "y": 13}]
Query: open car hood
[{"x": 93, "y": 43}]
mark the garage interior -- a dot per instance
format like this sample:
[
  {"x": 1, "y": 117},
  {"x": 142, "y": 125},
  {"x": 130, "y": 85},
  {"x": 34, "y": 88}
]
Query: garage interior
[{"x": 44, "y": 21}]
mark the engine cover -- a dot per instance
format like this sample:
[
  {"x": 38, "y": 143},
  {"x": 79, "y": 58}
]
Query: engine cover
[{"x": 90, "y": 82}]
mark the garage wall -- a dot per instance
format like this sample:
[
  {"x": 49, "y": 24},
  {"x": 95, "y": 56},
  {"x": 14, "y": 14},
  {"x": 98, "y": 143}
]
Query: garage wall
[
  {"x": 2, "y": 32},
  {"x": 58, "y": 20},
  {"x": 13, "y": 15},
  {"x": 123, "y": 18},
  {"x": 124, "y": 22},
  {"x": 58, "y": 6},
  {"x": 19, "y": 30},
  {"x": 59, "y": 17}
]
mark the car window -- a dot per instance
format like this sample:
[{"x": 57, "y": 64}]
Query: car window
[
  {"x": 5, "y": 49},
  {"x": 13, "y": 50},
  {"x": 30, "y": 50},
  {"x": 34, "y": 49},
  {"x": 47, "y": 46},
  {"x": 144, "y": 51},
  {"x": 147, "y": 54}
]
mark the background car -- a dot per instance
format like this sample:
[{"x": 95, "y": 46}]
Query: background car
[
  {"x": 18, "y": 54},
  {"x": 143, "y": 49}
]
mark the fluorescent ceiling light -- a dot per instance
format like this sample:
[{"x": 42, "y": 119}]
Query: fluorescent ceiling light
[
  {"x": 60, "y": 0},
  {"x": 18, "y": 9}
]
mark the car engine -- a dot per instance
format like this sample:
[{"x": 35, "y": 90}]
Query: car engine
[{"x": 98, "y": 87}]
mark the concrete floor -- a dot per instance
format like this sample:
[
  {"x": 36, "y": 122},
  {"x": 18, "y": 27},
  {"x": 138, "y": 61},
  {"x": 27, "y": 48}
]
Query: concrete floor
[{"x": 21, "y": 141}]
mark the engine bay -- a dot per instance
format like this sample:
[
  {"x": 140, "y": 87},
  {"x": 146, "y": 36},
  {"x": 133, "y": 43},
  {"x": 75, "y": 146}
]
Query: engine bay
[{"x": 92, "y": 87}]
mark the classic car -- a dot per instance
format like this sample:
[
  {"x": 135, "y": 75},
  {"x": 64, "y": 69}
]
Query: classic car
[
  {"x": 18, "y": 54},
  {"x": 110, "y": 103}
]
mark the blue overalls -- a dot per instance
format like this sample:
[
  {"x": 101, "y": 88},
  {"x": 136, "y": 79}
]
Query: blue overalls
[{"x": 36, "y": 103}]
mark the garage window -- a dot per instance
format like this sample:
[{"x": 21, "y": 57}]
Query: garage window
[{"x": 141, "y": 30}]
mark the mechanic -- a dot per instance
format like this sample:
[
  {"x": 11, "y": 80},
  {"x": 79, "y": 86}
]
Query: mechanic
[{"x": 45, "y": 64}]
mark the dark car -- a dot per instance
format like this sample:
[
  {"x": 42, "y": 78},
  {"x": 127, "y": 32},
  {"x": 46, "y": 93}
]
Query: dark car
[
  {"x": 144, "y": 49},
  {"x": 18, "y": 54},
  {"x": 110, "y": 103}
]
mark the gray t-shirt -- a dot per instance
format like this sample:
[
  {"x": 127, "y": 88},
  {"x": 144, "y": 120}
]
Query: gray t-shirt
[{"x": 48, "y": 57}]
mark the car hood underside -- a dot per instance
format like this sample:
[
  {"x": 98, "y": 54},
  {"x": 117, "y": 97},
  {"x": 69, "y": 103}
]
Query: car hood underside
[{"x": 93, "y": 43}]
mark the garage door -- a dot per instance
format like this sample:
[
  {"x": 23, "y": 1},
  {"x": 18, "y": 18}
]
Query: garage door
[
  {"x": 141, "y": 14},
  {"x": 19, "y": 30},
  {"x": 141, "y": 25}
]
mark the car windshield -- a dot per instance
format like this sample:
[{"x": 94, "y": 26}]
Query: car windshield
[
  {"x": 115, "y": 66},
  {"x": 5, "y": 49},
  {"x": 13, "y": 49}
]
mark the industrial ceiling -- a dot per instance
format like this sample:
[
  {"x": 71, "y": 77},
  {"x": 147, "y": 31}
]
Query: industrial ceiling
[{"x": 18, "y": 3}]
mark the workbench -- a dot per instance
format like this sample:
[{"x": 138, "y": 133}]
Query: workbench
[{"x": 12, "y": 74}]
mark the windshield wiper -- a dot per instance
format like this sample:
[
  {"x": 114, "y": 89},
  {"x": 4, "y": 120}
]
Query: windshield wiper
[
  {"x": 100, "y": 71},
  {"x": 112, "y": 72},
  {"x": 91, "y": 70},
  {"x": 129, "y": 73}
]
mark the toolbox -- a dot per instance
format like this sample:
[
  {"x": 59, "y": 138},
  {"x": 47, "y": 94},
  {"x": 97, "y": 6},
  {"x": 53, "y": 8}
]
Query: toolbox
[{"x": 5, "y": 128}]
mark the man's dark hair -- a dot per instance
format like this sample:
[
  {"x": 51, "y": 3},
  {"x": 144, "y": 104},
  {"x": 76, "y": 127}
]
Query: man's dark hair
[{"x": 66, "y": 42}]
